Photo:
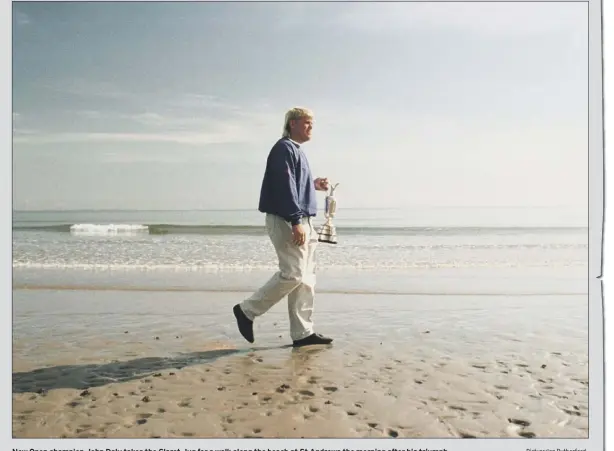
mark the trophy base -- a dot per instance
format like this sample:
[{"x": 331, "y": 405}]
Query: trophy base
[{"x": 327, "y": 234}]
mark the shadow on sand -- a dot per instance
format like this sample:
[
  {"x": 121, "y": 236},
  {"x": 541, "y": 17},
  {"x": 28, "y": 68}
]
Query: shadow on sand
[{"x": 96, "y": 375}]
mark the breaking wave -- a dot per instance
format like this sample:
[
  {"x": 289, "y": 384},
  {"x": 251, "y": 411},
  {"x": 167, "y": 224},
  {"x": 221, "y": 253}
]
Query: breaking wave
[{"x": 256, "y": 230}]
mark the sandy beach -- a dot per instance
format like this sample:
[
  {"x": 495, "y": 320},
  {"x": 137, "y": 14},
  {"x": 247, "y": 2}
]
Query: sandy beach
[{"x": 171, "y": 364}]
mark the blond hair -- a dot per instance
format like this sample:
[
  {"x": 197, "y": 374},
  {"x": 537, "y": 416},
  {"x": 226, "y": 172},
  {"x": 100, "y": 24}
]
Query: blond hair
[{"x": 294, "y": 114}]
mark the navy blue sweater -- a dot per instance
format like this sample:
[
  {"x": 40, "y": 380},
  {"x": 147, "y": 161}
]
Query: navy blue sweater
[{"x": 287, "y": 187}]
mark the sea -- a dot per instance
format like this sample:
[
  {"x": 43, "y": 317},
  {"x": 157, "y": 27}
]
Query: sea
[{"x": 421, "y": 250}]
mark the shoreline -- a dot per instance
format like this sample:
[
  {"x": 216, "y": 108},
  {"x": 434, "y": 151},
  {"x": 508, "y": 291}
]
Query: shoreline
[
  {"x": 422, "y": 282},
  {"x": 145, "y": 289}
]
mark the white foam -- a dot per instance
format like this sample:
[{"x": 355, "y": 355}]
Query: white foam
[
  {"x": 206, "y": 267},
  {"x": 108, "y": 229},
  {"x": 360, "y": 267}
]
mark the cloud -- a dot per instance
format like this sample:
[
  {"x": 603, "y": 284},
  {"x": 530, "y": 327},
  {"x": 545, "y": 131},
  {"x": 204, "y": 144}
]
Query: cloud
[
  {"x": 19, "y": 127},
  {"x": 200, "y": 101},
  {"x": 176, "y": 137},
  {"x": 22, "y": 19},
  {"x": 123, "y": 158},
  {"x": 88, "y": 88},
  {"x": 491, "y": 18},
  {"x": 189, "y": 118}
]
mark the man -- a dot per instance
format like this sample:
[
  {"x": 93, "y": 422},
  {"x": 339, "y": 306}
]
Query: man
[{"x": 288, "y": 197}]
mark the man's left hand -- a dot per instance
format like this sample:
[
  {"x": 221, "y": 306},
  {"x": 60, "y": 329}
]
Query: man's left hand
[{"x": 321, "y": 184}]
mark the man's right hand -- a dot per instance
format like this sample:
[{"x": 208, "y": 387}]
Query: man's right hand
[{"x": 298, "y": 235}]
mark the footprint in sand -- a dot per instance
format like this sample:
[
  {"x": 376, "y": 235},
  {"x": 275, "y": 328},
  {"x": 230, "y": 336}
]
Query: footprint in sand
[
  {"x": 523, "y": 423},
  {"x": 307, "y": 393},
  {"x": 313, "y": 409},
  {"x": 352, "y": 413},
  {"x": 462, "y": 409},
  {"x": 392, "y": 433},
  {"x": 331, "y": 389},
  {"x": 184, "y": 403},
  {"x": 282, "y": 388},
  {"x": 141, "y": 421},
  {"x": 527, "y": 434},
  {"x": 161, "y": 410},
  {"x": 372, "y": 425},
  {"x": 465, "y": 435}
]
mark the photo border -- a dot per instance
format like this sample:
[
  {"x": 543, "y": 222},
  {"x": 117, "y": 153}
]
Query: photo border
[{"x": 596, "y": 305}]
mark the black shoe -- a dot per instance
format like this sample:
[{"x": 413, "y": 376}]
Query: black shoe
[
  {"x": 313, "y": 339},
  {"x": 246, "y": 326}
]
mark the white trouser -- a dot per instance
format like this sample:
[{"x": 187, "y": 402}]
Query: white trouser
[{"x": 296, "y": 277}]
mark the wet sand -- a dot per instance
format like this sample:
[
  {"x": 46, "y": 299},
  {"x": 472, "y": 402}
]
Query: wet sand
[{"x": 172, "y": 364}]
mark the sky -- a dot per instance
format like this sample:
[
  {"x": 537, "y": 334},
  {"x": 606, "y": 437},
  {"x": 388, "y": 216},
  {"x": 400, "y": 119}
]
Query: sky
[{"x": 176, "y": 105}]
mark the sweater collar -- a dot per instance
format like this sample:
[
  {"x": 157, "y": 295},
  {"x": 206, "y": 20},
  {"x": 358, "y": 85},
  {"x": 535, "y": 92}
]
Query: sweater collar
[{"x": 294, "y": 142}]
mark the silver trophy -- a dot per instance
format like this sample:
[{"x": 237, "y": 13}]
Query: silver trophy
[{"x": 328, "y": 232}]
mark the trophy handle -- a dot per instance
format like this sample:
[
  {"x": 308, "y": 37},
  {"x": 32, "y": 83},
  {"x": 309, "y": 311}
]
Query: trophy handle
[{"x": 333, "y": 188}]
